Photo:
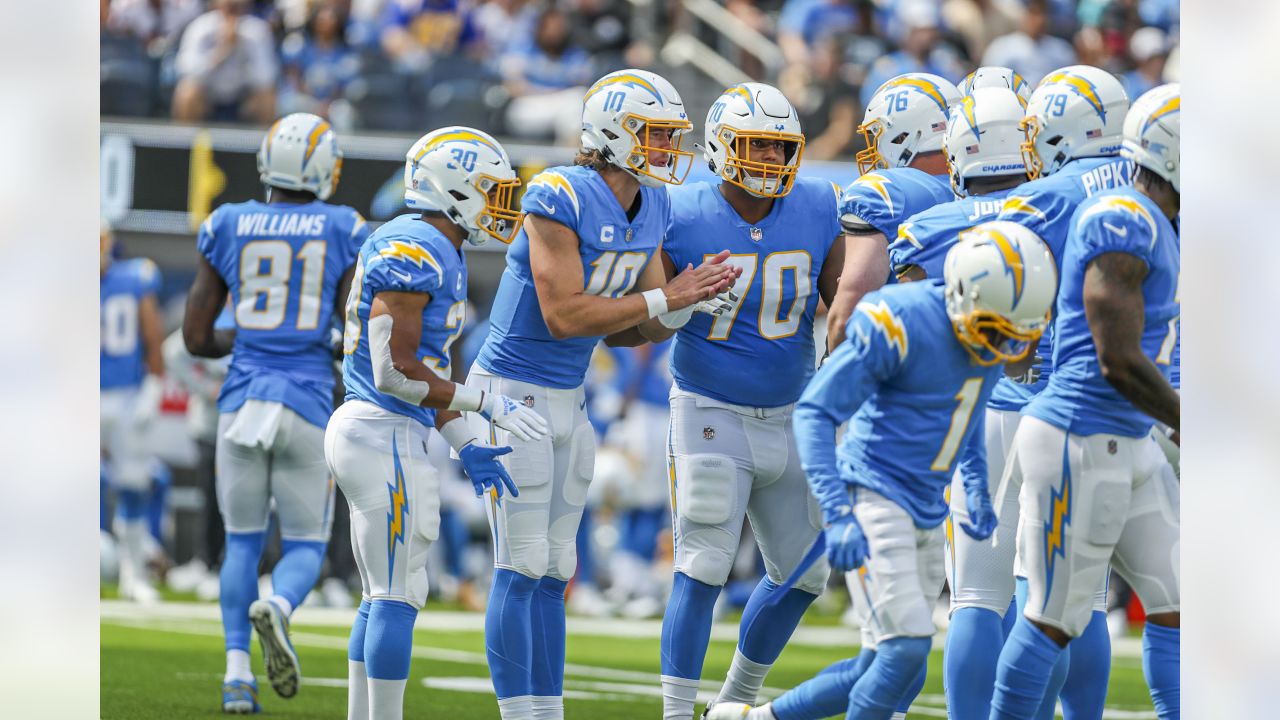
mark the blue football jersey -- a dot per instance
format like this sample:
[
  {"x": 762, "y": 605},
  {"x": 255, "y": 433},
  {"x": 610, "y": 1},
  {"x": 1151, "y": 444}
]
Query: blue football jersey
[
  {"x": 123, "y": 286},
  {"x": 405, "y": 255},
  {"x": 915, "y": 396},
  {"x": 614, "y": 252},
  {"x": 760, "y": 353},
  {"x": 282, "y": 263},
  {"x": 1045, "y": 206},
  {"x": 884, "y": 198},
  {"x": 1078, "y": 399},
  {"x": 926, "y": 237}
]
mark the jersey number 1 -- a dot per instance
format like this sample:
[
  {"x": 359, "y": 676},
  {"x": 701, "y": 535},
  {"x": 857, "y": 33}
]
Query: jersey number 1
[{"x": 968, "y": 398}]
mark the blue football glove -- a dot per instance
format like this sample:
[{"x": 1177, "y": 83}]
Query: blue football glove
[
  {"x": 982, "y": 517},
  {"x": 480, "y": 462},
  {"x": 846, "y": 545}
]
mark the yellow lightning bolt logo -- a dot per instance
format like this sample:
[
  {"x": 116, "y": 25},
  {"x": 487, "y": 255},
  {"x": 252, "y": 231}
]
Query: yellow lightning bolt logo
[
  {"x": 412, "y": 252},
  {"x": 744, "y": 93},
  {"x": 888, "y": 324},
  {"x": 966, "y": 111},
  {"x": 1011, "y": 255},
  {"x": 313, "y": 138},
  {"x": 1126, "y": 204},
  {"x": 1059, "y": 518},
  {"x": 1170, "y": 106},
  {"x": 558, "y": 184},
  {"x": 921, "y": 85},
  {"x": 456, "y": 135},
  {"x": 626, "y": 79},
  {"x": 1020, "y": 206},
  {"x": 396, "y": 516},
  {"x": 877, "y": 182},
  {"x": 1080, "y": 86},
  {"x": 905, "y": 233}
]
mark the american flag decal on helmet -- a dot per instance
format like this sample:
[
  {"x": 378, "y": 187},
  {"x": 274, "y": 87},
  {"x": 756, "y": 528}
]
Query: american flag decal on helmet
[
  {"x": 971, "y": 149},
  {"x": 1094, "y": 133}
]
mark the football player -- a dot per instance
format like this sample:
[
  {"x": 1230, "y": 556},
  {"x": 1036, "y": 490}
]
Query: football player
[
  {"x": 731, "y": 452},
  {"x": 1096, "y": 489},
  {"x": 919, "y": 360},
  {"x": 131, "y": 371},
  {"x": 1071, "y": 149},
  {"x": 406, "y": 308},
  {"x": 902, "y": 171},
  {"x": 286, "y": 263},
  {"x": 589, "y": 234},
  {"x": 984, "y": 157}
]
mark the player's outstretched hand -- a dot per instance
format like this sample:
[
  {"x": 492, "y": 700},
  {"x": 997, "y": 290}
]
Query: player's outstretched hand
[
  {"x": 522, "y": 422},
  {"x": 704, "y": 282},
  {"x": 846, "y": 545},
  {"x": 480, "y": 463},
  {"x": 982, "y": 517}
]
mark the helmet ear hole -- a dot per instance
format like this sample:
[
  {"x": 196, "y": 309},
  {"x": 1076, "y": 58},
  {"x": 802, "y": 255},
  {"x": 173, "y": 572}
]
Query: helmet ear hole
[{"x": 457, "y": 196}]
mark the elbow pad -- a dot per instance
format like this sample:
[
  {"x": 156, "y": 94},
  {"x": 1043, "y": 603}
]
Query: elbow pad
[{"x": 386, "y": 377}]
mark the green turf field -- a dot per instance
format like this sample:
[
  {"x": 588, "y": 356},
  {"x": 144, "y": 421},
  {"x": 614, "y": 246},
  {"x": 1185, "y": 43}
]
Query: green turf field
[{"x": 165, "y": 665}]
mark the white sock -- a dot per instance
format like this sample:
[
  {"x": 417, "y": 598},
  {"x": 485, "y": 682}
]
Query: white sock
[
  {"x": 515, "y": 708},
  {"x": 133, "y": 547},
  {"x": 238, "y": 666},
  {"x": 898, "y": 716},
  {"x": 678, "y": 697},
  {"x": 285, "y": 606},
  {"x": 548, "y": 707},
  {"x": 357, "y": 691},
  {"x": 744, "y": 680},
  {"x": 386, "y": 699}
]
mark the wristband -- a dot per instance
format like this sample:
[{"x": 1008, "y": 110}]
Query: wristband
[
  {"x": 466, "y": 399},
  {"x": 656, "y": 300},
  {"x": 458, "y": 434}
]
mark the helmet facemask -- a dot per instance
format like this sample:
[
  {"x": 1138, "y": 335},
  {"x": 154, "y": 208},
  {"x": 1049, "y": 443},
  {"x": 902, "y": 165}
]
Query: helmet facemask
[
  {"x": 679, "y": 162},
  {"x": 496, "y": 217},
  {"x": 761, "y": 179},
  {"x": 975, "y": 332},
  {"x": 870, "y": 159}
]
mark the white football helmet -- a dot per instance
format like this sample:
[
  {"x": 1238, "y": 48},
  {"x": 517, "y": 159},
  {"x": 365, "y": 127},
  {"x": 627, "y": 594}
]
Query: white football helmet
[
  {"x": 1152, "y": 130},
  {"x": 906, "y": 116},
  {"x": 996, "y": 76},
  {"x": 623, "y": 105},
  {"x": 300, "y": 152},
  {"x": 465, "y": 174},
  {"x": 983, "y": 139},
  {"x": 1000, "y": 281},
  {"x": 1075, "y": 112},
  {"x": 746, "y": 112}
]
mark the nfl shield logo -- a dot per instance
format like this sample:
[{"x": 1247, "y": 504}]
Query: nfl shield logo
[
  {"x": 757, "y": 234},
  {"x": 1111, "y": 447},
  {"x": 628, "y": 236},
  {"x": 708, "y": 433},
  {"x": 528, "y": 401}
]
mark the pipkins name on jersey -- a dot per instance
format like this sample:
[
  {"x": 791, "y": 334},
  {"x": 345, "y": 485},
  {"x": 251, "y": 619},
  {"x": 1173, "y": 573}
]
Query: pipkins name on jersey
[
  {"x": 1105, "y": 177},
  {"x": 276, "y": 224}
]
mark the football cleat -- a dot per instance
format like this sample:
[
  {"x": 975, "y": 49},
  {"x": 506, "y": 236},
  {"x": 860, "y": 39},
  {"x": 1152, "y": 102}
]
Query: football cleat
[
  {"x": 240, "y": 697},
  {"x": 277, "y": 650}
]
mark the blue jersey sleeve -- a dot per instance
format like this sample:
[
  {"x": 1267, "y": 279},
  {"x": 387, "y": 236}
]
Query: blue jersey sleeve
[
  {"x": 551, "y": 195},
  {"x": 403, "y": 265},
  {"x": 973, "y": 460},
  {"x": 871, "y": 204},
  {"x": 1114, "y": 224},
  {"x": 148, "y": 277},
  {"x": 355, "y": 238},
  {"x": 907, "y": 248},
  {"x": 875, "y": 349},
  {"x": 207, "y": 242},
  {"x": 1034, "y": 210}
]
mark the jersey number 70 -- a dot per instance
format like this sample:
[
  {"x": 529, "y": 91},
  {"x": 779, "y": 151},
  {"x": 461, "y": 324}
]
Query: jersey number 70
[{"x": 773, "y": 324}]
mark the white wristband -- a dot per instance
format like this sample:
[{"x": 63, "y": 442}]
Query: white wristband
[
  {"x": 458, "y": 434},
  {"x": 466, "y": 399},
  {"x": 656, "y": 300}
]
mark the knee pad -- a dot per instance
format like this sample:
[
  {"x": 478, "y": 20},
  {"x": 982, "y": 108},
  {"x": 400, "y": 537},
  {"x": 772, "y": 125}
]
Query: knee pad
[
  {"x": 582, "y": 463},
  {"x": 562, "y": 547},
  {"x": 814, "y": 580},
  {"x": 707, "y": 490},
  {"x": 1105, "y": 507}
]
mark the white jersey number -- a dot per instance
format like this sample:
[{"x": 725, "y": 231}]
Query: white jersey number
[
  {"x": 265, "y": 267},
  {"x": 777, "y": 267},
  {"x": 1165, "y": 357},
  {"x": 120, "y": 325},
  {"x": 454, "y": 320},
  {"x": 351, "y": 320},
  {"x": 614, "y": 273},
  {"x": 968, "y": 398}
]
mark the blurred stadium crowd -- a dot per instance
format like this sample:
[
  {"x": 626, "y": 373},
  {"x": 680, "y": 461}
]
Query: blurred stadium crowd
[{"x": 519, "y": 67}]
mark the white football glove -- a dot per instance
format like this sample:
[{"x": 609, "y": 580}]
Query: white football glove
[
  {"x": 718, "y": 305},
  {"x": 146, "y": 404},
  {"x": 522, "y": 422}
]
